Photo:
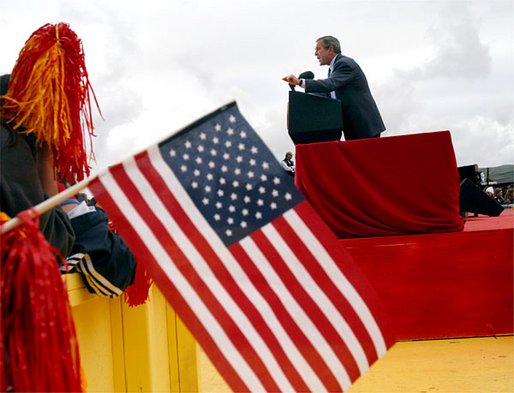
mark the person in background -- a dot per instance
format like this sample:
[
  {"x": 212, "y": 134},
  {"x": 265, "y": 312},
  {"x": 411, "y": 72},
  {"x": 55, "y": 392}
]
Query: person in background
[
  {"x": 346, "y": 82},
  {"x": 509, "y": 195},
  {"x": 30, "y": 169},
  {"x": 490, "y": 192},
  {"x": 106, "y": 263},
  {"x": 45, "y": 113},
  {"x": 498, "y": 196},
  {"x": 288, "y": 163},
  {"x": 27, "y": 179}
]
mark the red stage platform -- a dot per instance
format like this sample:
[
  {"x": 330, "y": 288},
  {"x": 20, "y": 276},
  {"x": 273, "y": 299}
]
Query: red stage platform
[
  {"x": 394, "y": 203},
  {"x": 444, "y": 285}
]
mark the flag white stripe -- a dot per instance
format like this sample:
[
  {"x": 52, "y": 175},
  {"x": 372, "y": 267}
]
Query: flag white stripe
[
  {"x": 310, "y": 377},
  {"x": 198, "y": 263},
  {"x": 316, "y": 293},
  {"x": 297, "y": 313},
  {"x": 189, "y": 295},
  {"x": 339, "y": 280}
]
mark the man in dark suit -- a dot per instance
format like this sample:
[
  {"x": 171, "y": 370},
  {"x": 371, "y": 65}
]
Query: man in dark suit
[{"x": 347, "y": 83}]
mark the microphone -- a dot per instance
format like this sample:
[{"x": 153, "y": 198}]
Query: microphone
[
  {"x": 303, "y": 75},
  {"x": 306, "y": 75}
]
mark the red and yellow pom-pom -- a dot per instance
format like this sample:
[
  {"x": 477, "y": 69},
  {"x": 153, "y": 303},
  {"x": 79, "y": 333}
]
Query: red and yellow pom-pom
[
  {"x": 49, "y": 95},
  {"x": 38, "y": 343}
]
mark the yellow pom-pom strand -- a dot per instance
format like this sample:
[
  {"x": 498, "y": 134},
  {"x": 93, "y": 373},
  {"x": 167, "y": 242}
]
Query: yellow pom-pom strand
[{"x": 49, "y": 95}]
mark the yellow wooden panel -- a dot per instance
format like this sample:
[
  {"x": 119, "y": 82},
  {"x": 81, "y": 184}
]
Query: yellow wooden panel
[
  {"x": 146, "y": 345},
  {"x": 209, "y": 380},
  {"x": 171, "y": 317},
  {"x": 191, "y": 365},
  {"x": 93, "y": 326},
  {"x": 136, "y": 348},
  {"x": 77, "y": 292},
  {"x": 117, "y": 345},
  {"x": 158, "y": 334},
  {"x": 187, "y": 358}
]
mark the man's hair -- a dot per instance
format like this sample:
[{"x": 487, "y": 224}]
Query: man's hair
[{"x": 329, "y": 41}]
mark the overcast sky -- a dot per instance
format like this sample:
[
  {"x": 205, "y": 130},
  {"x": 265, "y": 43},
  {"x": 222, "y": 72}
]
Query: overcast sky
[{"x": 158, "y": 65}]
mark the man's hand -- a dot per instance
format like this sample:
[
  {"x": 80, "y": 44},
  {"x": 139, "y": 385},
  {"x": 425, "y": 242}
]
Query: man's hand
[{"x": 291, "y": 79}]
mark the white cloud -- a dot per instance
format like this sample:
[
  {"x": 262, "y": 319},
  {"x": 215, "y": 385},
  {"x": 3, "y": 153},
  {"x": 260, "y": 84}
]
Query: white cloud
[
  {"x": 459, "y": 51},
  {"x": 485, "y": 138}
]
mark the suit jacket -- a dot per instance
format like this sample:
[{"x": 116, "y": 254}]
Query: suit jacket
[{"x": 361, "y": 118}]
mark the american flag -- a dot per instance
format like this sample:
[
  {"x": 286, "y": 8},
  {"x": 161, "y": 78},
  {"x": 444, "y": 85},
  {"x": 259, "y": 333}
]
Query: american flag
[{"x": 260, "y": 281}]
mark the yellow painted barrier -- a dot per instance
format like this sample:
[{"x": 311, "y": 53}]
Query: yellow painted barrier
[
  {"x": 98, "y": 326},
  {"x": 132, "y": 349},
  {"x": 148, "y": 349}
]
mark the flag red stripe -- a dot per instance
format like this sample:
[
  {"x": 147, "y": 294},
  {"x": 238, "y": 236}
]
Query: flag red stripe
[
  {"x": 337, "y": 252},
  {"x": 220, "y": 270},
  {"x": 310, "y": 307},
  {"x": 324, "y": 282},
  {"x": 138, "y": 246},
  {"x": 303, "y": 344},
  {"x": 183, "y": 264}
]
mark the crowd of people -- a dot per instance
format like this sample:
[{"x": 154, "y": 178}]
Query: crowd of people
[{"x": 502, "y": 195}]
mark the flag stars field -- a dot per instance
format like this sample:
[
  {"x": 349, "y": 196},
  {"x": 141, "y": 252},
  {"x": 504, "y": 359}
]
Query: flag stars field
[{"x": 233, "y": 162}]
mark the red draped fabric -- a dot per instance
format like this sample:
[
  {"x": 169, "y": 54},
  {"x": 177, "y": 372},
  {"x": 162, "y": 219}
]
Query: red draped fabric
[{"x": 383, "y": 186}]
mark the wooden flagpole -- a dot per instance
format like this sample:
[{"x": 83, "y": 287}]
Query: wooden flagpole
[{"x": 48, "y": 204}]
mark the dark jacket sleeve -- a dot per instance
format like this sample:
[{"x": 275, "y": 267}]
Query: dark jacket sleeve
[{"x": 106, "y": 262}]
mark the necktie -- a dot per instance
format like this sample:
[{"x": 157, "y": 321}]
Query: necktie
[{"x": 332, "y": 93}]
